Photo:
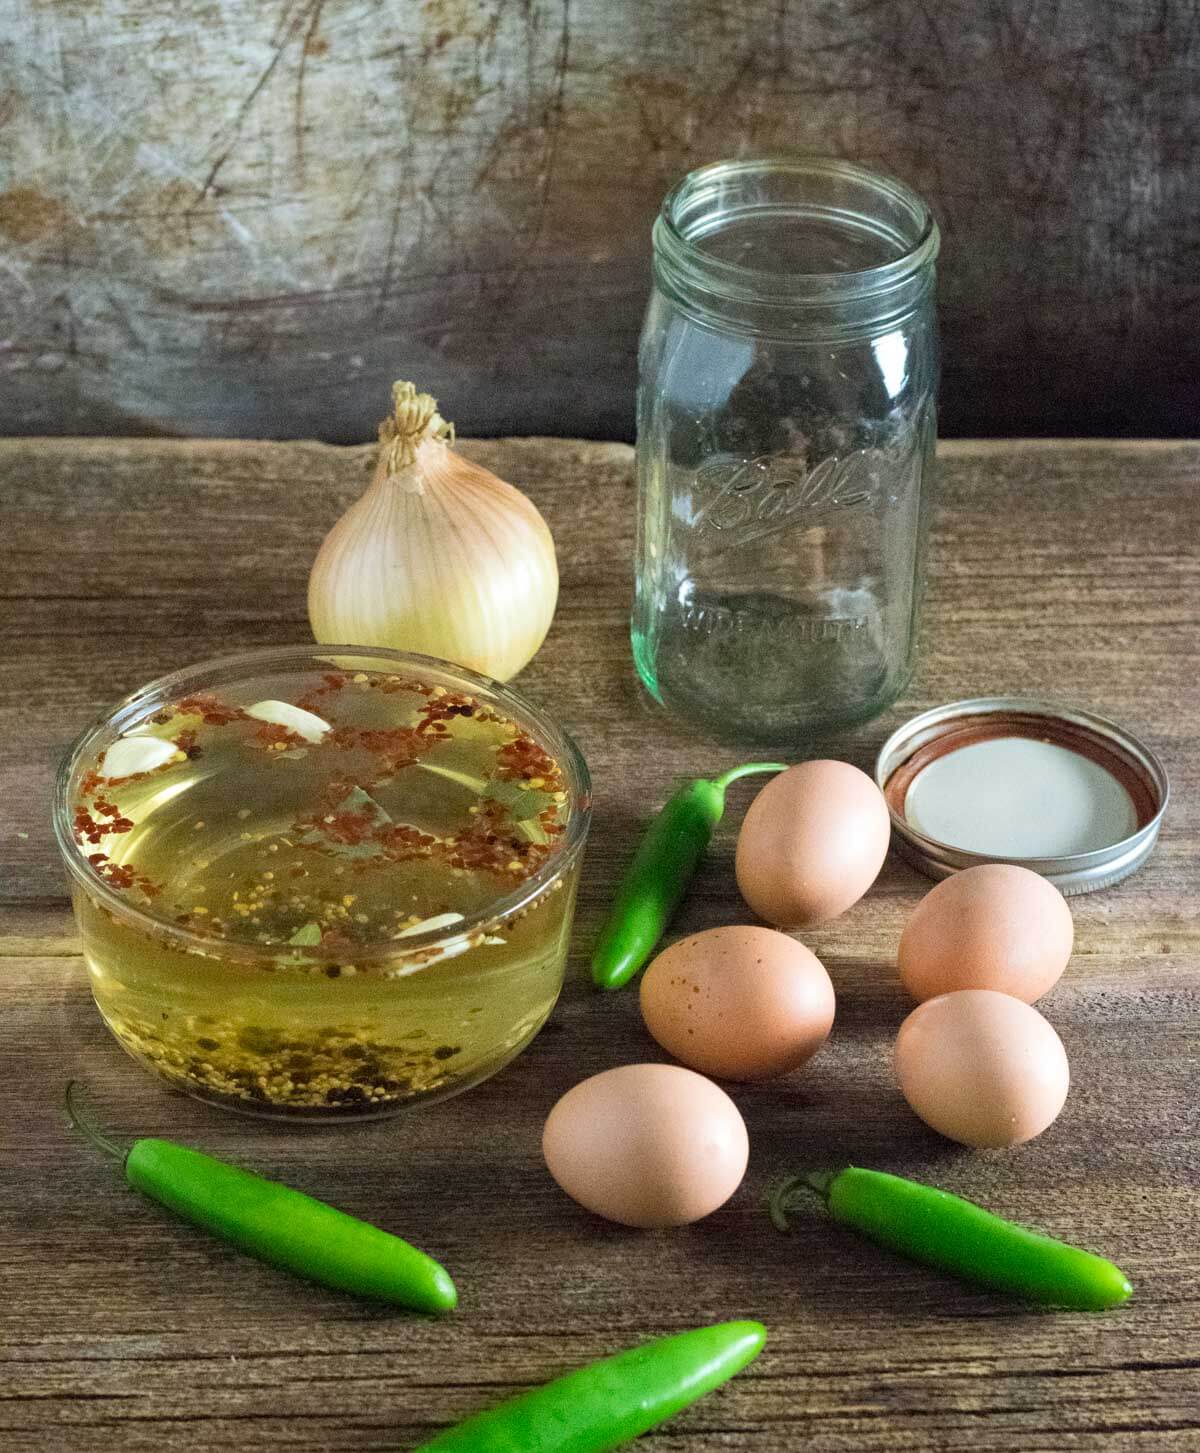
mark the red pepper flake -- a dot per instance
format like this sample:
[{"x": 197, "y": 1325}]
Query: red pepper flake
[
  {"x": 395, "y": 747},
  {"x": 110, "y": 810},
  {"x": 441, "y": 708},
  {"x": 271, "y": 735},
  {"x": 523, "y": 758},
  {"x": 119, "y": 875},
  {"x": 332, "y": 795},
  {"x": 311, "y": 700},
  {"x": 87, "y": 827},
  {"x": 349, "y": 827},
  {"x": 214, "y": 711},
  {"x": 402, "y": 843},
  {"x": 490, "y": 845},
  {"x": 186, "y": 743},
  {"x": 89, "y": 782},
  {"x": 123, "y": 875},
  {"x": 391, "y": 741}
]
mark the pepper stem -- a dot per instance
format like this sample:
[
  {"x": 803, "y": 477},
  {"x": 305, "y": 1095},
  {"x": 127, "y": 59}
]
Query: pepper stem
[
  {"x": 735, "y": 772},
  {"x": 786, "y": 1194},
  {"x": 81, "y": 1118},
  {"x": 414, "y": 419}
]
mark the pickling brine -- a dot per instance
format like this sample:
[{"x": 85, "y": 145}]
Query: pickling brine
[{"x": 325, "y": 892}]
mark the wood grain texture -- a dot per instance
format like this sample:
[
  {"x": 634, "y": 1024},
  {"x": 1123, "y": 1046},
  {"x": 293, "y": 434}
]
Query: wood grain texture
[
  {"x": 219, "y": 217},
  {"x": 1069, "y": 568}
]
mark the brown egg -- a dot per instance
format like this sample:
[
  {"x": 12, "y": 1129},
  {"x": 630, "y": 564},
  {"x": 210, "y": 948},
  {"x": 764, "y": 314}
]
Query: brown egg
[
  {"x": 740, "y": 1002},
  {"x": 812, "y": 843},
  {"x": 992, "y": 927},
  {"x": 982, "y": 1068},
  {"x": 647, "y": 1145}
]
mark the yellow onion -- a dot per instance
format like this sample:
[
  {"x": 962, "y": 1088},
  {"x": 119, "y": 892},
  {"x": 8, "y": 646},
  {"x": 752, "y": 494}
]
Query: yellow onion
[{"x": 438, "y": 556}]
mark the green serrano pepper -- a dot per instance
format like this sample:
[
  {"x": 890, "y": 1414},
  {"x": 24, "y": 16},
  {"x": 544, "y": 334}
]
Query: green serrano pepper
[
  {"x": 277, "y": 1224},
  {"x": 658, "y": 877},
  {"x": 960, "y": 1237},
  {"x": 607, "y": 1403}
]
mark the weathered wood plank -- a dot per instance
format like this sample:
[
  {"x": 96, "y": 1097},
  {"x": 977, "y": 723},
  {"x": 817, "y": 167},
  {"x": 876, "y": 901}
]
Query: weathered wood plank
[
  {"x": 1067, "y": 568},
  {"x": 230, "y": 218}
]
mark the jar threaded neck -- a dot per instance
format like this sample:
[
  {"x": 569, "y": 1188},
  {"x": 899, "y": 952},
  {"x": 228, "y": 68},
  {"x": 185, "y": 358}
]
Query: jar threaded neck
[{"x": 798, "y": 243}]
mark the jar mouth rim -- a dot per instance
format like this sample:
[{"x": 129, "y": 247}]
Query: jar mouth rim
[{"x": 735, "y": 280}]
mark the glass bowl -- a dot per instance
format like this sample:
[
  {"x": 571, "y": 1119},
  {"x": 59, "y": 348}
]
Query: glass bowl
[{"x": 199, "y": 960}]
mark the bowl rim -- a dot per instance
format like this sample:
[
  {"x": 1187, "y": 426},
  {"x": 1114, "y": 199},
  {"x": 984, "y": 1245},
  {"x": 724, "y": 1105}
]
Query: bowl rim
[{"x": 417, "y": 950}]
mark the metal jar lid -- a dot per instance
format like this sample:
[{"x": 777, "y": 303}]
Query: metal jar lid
[{"x": 1009, "y": 779}]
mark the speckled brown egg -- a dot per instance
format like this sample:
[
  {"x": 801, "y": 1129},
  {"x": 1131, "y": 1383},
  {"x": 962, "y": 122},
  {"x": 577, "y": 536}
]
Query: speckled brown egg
[
  {"x": 997, "y": 926},
  {"x": 982, "y": 1068},
  {"x": 812, "y": 843},
  {"x": 742, "y": 1003},
  {"x": 647, "y": 1145}
]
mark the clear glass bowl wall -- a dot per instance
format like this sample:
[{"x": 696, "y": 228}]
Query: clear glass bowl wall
[{"x": 308, "y": 1032}]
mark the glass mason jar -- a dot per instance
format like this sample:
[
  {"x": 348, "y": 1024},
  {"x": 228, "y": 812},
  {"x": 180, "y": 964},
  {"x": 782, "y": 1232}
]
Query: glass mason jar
[{"x": 786, "y": 426}]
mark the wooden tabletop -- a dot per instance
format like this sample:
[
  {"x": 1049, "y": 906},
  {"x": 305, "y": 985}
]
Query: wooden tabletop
[{"x": 1067, "y": 569}]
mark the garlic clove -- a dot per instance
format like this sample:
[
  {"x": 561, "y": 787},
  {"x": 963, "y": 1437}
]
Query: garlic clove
[
  {"x": 305, "y": 724},
  {"x": 451, "y": 949},
  {"x": 427, "y": 925},
  {"x": 131, "y": 755}
]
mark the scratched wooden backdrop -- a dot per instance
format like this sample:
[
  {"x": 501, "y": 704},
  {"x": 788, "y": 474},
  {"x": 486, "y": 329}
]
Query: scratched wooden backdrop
[{"x": 236, "y": 218}]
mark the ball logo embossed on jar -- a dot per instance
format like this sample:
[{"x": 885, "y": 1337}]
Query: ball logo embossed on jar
[{"x": 754, "y": 498}]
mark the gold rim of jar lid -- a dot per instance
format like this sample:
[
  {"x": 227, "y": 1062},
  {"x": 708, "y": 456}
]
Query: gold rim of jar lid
[{"x": 1114, "y": 755}]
